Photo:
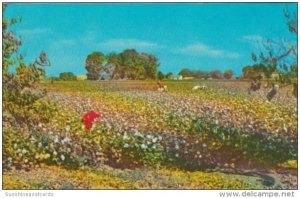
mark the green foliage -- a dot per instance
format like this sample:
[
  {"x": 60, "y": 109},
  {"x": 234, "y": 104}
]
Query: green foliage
[
  {"x": 228, "y": 74},
  {"x": 216, "y": 74},
  {"x": 129, "y": 64},
  {"x": 18, "y": 96},
  {"x": 281, "y": 57},
  {"x": 138, "y": 66},
  {"x": 169, "y": 75},
  {"x": 201, "y": 74},
  {"x": 94, "y": 64},
  {"x": 67, "y": 76},
  {"x": 160, "y": 75},
  {"x": 185, "y": 73},
  {"x": 254, "y": 72}
]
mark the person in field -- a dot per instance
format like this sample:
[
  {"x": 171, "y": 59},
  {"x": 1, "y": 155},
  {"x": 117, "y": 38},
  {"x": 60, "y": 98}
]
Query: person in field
[
  {"x": 161, "y": 86},
  {"x": 272, "y": 92},
  {"x": 254, "y": 86}
]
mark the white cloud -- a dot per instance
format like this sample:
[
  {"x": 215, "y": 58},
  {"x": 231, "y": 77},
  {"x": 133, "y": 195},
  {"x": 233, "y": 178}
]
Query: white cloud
[
  {"x": 89, "y": 37},
  {"x": 253, "y": 38},
  {"x": 120, "y": 44},
  {"x": 63, "y": 42},
  {"x": 200, "y": 49},
  {"x": 66, "y": 42},
  {"x": 254, "y": 41},
  {"x": 34, "y": 31}
]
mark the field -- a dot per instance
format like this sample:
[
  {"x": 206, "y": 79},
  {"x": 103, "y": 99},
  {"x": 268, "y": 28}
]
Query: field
[{"x": 217, "y": 138}]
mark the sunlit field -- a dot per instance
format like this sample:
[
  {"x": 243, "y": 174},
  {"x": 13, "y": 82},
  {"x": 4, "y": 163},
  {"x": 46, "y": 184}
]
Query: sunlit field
[{"x": 220, "y": 137}]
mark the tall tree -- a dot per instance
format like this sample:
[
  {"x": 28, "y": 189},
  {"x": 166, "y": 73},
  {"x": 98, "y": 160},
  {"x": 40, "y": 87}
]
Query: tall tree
[
  {"x": 169, "y": 75},
  {"x": 94, "y": 65},
  {"x": 186, "y": 72},
  {"x": 160, "y": 75},
  {"x": 67, "y": 76},
  {"x": 228, "y": 74},
  {"x": 217, "y": 74}
]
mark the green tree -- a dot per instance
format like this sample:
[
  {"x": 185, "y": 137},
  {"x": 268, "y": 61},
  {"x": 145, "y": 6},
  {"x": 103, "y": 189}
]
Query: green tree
[
  {"x": 217, "y": 74},
  {"x": 160, "y": 75},
  {"x": 115, "y": 59},
  {"x": 169, "y": 75},
  {"x": 94, "y": 65},
  {"x": 186, "y": 72},
  {"x": 150, "y": 63},
  {"x": 67, "y": 76},
  {"x": 18, "y": 78},
  {"x": 133, "y": 65},
  {"x": 228, "y": 74},
  {"x": 281, "y": 57}
]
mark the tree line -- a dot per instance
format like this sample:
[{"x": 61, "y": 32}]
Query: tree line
[
  {"x": 128, "y": 64},
  {"x": 199, "y": 74}
]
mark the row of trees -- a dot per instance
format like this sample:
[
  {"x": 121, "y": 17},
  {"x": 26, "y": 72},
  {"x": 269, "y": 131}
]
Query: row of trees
[
  {"x": 216, "y": 74},
  {"x": 128, "y": 64}
]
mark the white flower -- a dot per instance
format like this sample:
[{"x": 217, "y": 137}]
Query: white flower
[
  {"x": 9, "y": 158},
  {"x": 160, "y": 138},
  {"x": 154, "y": 140},
  {"x": 24, "y": 151},
  {"x": 15, "y": 145},
  {"x": 125, "y": 137},
  {"x": 36, "y": 156},
  {"x": 56, "y": 139},
  {"x": 176, "y": 147},
  {"x": 126, "y": 145},
  {"x": 138, "y": 134},
  {"x": 54, "y": 153},
  {"x": 20, "y": 154},
  {"x": 39, "y": 145},
  {"x": 32, "y": 139},
  {"x": 67, "y": 139},
  {"x": 26, "y": 160},
  {"x": 177, "y": 155},
  {"x": 62, "y": 157},
  {"x": 143, "y": 146},
  {"x": 67, "y": 128}
]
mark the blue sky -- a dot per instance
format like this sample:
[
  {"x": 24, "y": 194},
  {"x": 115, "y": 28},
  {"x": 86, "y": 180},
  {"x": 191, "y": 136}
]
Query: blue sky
[{"x": 201, "y": 36}]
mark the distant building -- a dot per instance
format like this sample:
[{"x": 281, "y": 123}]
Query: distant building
[{"x": 178, "y": 77}]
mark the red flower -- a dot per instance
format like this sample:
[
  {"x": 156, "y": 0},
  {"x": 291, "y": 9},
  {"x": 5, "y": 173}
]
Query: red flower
[{"x": 89, "y": 118}]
